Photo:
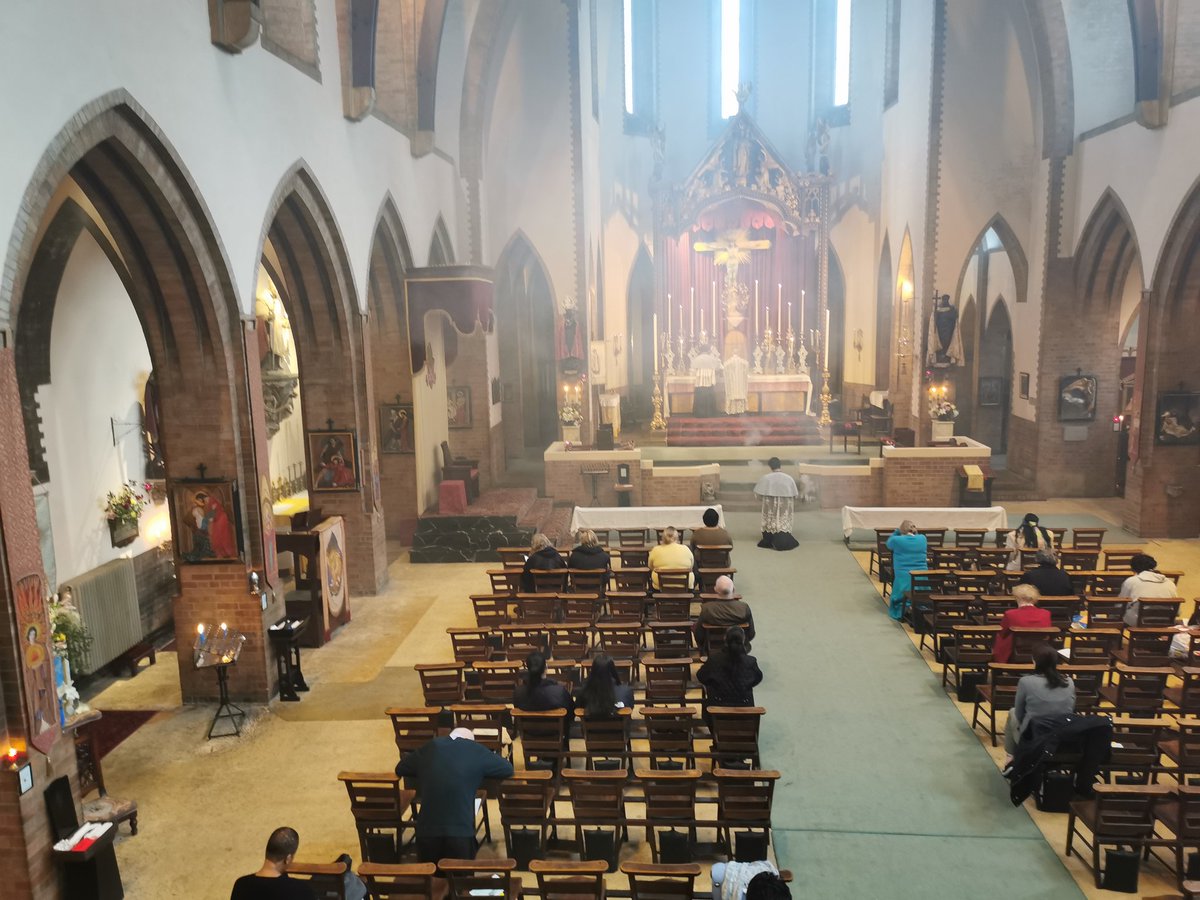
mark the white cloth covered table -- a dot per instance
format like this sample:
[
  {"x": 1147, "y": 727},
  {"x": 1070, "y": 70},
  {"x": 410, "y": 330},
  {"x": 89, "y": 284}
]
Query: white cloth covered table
[
  {"x": 600, "y": 517},
  {"x": 988, "y": 517}
]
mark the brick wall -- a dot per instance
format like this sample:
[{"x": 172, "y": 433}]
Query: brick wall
[
  {"x": 565, "y": 482},
  {"x": 923, "y": 481},
  {"x": 470, "y": 370},
  {"x": 837, "y": 489},
  {"x": 1023, "y": 447},
  {"x": 289, "y": 30},
  {"x": 660, "y": 489},
  {"x": 157, "y": 587}
]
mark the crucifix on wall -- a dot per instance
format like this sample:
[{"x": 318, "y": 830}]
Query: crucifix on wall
[{"x": 731, "y": 249}]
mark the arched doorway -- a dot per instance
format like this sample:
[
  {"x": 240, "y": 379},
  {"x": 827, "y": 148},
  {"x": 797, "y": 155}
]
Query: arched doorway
[
  {"x": 995, "y": 363},
  {"x": 525, "y": 320},
  {"x": 640, "y": 306},
  {"x": 883, "y": 319}
]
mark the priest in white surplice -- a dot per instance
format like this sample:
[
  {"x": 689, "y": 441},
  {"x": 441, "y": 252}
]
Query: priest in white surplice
[
  {"x": 705, "y": 366},
  {"x": 737, "y": 384},
  {"x": 778, "y": 492}
]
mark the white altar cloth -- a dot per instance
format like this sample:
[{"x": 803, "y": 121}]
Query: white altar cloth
[
  {"x": 600, "y": 517},
  {"x": 989, "y": 517}
]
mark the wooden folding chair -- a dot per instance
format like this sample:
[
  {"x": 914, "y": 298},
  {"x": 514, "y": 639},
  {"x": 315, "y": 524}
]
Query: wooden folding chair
[
  {"x": 1185, "y": 699},
  {"x": 581, "y": 608},
  {"x": 879, "y": 552},
  {"x": 626, "y": 606},
  {"x": 977, "y": 581},
  {"x": 327, "y": 881},
  {"x": 631, "y": 538},
  {"x": 606, "y": 739},
  {"x": 1105, "y": 612},
  {"x": 543, "y": 737},
  {"x": 970, "y": 651},
  {"x": 1182, "y": 750},
  {"x": 672, "y": 640},
  {"x": 1101, "y": 584},
  {"x": 519, "y": 641},
  {"x": 505, "y": 581},
  {"x": 934, "y": 537},
  {"x": 570, "y": 641},
  {"x": 379, "y": 804},
  {"x": 470, "y": 879},
  {"x": 1191, "y": 654},
  {"x": 1146, "y": 647},
  {"x": 670, "y": 799},
  {"x": 673, "y": 581},
  {"x": 712, "y": 556},
  {"x": 1180, "y": 819},
  {"x": 950, "y": 558},
  {"x": 598, "y": 797},
  {"x": 1063, "y": 610},
  {"x": 525, "y": 802},
  {"x": 671, "y": 607},
  {"x": 487, "y": 721},
  {"x": 512, "y": 557},
  {"x": 1119, "y": 558},
  {"x": 1088, "y": 681},
  {"x": 707, "y": 583},
  {"x": 735, "y": 735},
  {"x": 549, "y": 581},
  {"x": 666, "y": 680},
  {"x": 1002, "y": 536},
  {"x": 443, "y": 684},
  {"x": 1087, "y": 538},
  {"x": 413, "y": 726},
  {"x": 969, "y": 537},
  {"x": 408, "y": 881},
  {"x": 1119, "y": 814},
  {"x": 988, "y": 558},
  {"x": 1135, "y": 755},
  {"x": 945, "y": 611},
  {"x": 631, "y": 579},
  {"x": 537, "y": 608},
  {"x": 498, "y": 679},
  {"x": 1138, "y": 690},
  {"x": 1025, "y": 639},
  {"x": 623, "y": 642},
  {"x": 998, "y": 695},
  {"x": 1092, "y": 646},
  {"x": 470, "y": 644},
  {"x": 1158, "y": 612},
  {"x": 648, "y": 881},
  {"x": 744, "y": 800},
  {"x": 564, "y": 880},
  {"x": 990, "y": 608},
  {"x": 491, "y": 610},
  {"x": 669, "y": 734},
  {"x": 588, "y": 581},
  {"x": 1079, "y": 560}
]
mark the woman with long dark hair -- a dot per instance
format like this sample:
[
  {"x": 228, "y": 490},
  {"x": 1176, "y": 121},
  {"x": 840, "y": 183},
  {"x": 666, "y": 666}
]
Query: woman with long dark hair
[
  {"x": 730, "y": 674},
  {"x": 1029, "y": 535},
  {"x": 1047, "y": 692},
  {"x": 602, "y": 694}
]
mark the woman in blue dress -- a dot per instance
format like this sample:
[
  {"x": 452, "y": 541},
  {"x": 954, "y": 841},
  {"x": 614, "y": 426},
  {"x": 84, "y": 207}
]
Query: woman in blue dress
[{"x": 909, "y": 551}]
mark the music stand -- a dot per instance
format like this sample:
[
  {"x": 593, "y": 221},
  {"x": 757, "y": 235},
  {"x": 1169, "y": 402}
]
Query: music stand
[{"x": 219, "y": 648}]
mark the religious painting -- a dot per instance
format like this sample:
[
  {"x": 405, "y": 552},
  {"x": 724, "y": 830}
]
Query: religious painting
[
  {"x": 458, "y": 406},
  {"x": 991, "y": 390},
  {"x": 267, "y": 517},
  {"x": 207, "y": 527},
  {"x": 1178, "y": 420},
  {"x": 1023, "y": 383},
  {"x": 396, "y": 428},
  {"x": 598, "y": 361},
  {"x": 41, "y": 696},
  {"x": 333, "y": 460},
  {"x": 334, "y": 579},
  {"x": 1077, "y": 398}
]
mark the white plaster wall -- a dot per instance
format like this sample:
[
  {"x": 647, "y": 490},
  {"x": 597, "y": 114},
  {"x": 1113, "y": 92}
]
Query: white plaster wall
[
  {"x": 1098, "y": 33},
  {"x": 431, "y": 426},
  {"x": 237, "y": 122},
  {"x": 853, "y": 239},
  {"x": 492, "y": 348},
  {"x": 99, "y": 363},
  {"x": 452, "y": 55}
]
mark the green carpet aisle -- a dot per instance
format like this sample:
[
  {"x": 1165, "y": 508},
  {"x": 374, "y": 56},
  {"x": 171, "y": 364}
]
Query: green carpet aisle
[{"x": 886, "y": 793}]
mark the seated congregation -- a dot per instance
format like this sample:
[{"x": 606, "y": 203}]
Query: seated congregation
[
  {"x": 1077, "y": 653},
  {"x": 575, "y": 718}
]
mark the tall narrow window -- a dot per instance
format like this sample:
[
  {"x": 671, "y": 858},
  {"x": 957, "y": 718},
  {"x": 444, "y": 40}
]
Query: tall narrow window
[
  {"x": 841, "y": 59},
  {"x": 891, "y": 55},
  {"x": 731, "y": 55},
  {"x": 637, "y": 23},
  {"x": 628, "y": 26}
]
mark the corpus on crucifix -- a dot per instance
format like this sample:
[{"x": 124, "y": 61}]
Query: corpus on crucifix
[{"x": 731, "y": 249}]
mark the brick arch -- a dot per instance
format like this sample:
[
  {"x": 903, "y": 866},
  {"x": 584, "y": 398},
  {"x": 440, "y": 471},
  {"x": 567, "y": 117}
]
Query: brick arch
[
  {"x": 1107, "y": 249},
  {"x": 317, "y": 289},
  {"x": 485, "y": 53}
]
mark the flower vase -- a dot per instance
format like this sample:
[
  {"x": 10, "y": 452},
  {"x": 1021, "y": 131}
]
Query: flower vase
[
  {"x": 942, "y": 431},
  {"x": 122, "y": 533},
  {"x": 571, "y": 434}
]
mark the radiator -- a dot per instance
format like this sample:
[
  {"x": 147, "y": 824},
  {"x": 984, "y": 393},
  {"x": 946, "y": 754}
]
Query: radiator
[{"x": 106, "y": 598}]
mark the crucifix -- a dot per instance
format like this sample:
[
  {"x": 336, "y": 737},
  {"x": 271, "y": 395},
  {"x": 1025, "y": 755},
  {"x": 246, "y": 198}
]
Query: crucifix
[{"x": 731, "y": 249}]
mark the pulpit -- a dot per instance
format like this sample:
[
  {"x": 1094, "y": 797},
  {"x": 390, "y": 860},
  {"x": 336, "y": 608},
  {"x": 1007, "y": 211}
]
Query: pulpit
[{"x": 321, "y": 594}]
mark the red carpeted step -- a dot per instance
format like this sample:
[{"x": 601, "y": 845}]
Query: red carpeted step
[{"x": 743, "y": 431}]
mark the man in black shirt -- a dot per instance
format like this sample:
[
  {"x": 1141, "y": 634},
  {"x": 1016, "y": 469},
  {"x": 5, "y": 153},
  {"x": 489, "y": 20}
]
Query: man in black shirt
[
  {"x": 1047, "y": 577},
  {"x": 449, "y": 771},
  {"x": 271, "y": 882}
]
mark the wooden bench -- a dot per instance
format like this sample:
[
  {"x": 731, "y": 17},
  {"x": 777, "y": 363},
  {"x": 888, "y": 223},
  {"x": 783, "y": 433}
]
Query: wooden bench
[{"x": 131, "y": 658}]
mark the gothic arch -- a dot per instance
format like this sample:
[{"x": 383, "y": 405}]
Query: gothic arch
[
  {"x": 639, "y": 294},
  {"x": 1107, "y": 249},
  {"x": 1055, "y": 77},
  {"x": 485, "y": 53},
  {"x": 884, "y": 289},
  {"x": 441, "y": 249},
  {"x": 1012, "y": 246},
  {"x": 996, "y": 361}
]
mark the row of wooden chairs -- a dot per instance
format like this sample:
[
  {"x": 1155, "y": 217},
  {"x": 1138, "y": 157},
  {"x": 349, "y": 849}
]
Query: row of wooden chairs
[
  {"x": 675, "y": 736},
  {"x": 716, "y": 555},
  {"x": 510, "y": 582},
  {"x": 494, "y": 610},
  {"x": 1101, "y": 583}
]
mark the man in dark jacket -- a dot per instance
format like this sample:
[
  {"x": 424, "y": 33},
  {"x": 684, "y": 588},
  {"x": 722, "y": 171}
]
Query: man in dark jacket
[
  {"x": 726, "y": 610},
  {"x": 449, "y": 772},
  {"x": 1047, "y": 577}
]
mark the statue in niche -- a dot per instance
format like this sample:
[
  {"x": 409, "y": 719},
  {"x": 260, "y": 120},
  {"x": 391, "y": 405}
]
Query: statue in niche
[
  {"x": 156, "y": 465},
  {"x": 945, "y": 341}
]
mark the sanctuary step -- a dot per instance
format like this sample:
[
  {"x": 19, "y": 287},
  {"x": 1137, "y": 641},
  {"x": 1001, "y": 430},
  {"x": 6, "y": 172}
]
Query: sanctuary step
[
  {"x": 780, "y": 429},
  {"x": 501, "y": 517},
  {"x": 1011, "y": 486}
]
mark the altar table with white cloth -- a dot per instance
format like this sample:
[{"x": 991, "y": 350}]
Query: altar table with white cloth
[
  {"x": 987, "y": 517},
  {"x": 791, "y": 393},
  {"x": 602, "y": 517}
]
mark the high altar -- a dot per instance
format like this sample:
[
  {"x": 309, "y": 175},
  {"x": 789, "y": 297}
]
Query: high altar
[{"x": 742, "y": 258}]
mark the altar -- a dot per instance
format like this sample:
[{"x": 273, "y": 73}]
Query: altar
[{"x": 789, "y": 392}]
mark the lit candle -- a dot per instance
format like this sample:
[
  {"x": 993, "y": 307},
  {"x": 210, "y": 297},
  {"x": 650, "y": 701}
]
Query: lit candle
[
  {"x": 779, "y": 309},
  {"x": 224, "y": 628},
  {"x": 702, "y": 321},
  {"x": 681, "y": 320},
  {"x": 789, "y": 314},
  {"x": 566, "y": 392},
  {"x": 668, "y": 322},
  {"x": 578, "y": 393},
  {"x": 655, "y": 328},
  {"x": 826, "y": 356},
  {"x": 802, "y": 313}
]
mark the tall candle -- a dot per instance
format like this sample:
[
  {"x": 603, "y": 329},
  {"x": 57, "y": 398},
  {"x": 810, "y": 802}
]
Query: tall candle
[
  {"x": 714, "y": 308},
  {"x": 802, "y": 313},
  {"x": 702, "y": 321},
  {"x": 668, "y": 321},
  {"x": 825, "y": 358},
  {"x": 789, "y": 315},
  {"x": 779, "y": 308},
  {"x": 655, "y": 328},
  {"x": 692, "y": 313},
  {"x": 756, "y": 331}
]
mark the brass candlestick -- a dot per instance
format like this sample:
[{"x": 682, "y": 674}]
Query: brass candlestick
[
  {"x": 657, "y": 423},
  {"x": 826, "y": 396}
]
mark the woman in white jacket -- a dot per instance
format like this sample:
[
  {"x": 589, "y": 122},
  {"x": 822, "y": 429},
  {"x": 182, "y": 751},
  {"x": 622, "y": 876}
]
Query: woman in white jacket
[{"x": 1144, "y": 582}]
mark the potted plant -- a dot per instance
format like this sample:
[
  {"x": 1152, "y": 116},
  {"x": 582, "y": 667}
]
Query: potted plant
[
  {"x": 123, "y": 509},
  {"x": 570, "y": 415},
  {"x": 943, "y": 413}
]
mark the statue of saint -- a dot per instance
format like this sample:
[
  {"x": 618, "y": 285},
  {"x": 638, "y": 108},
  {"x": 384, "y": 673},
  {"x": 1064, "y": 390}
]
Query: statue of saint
[{"x": 945, "y": 343}]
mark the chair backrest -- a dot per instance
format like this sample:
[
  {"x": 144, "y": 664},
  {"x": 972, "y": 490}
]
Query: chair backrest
[
  {"x": 580, "y": 608},
  {"x": 470, "y": 644},
  {"x": 953, "y": 558},
  {"x": 626, "y": 606},
  {"x": 992, "y": 607},
  {"x": 442, "y": 683},
  {"x": 1105, "y": 612},
  {"x": 60, "y": 806},
  {"x": 569, "y": 880},
  {"x": 672, "y": 639},
  {"x": 525, "y": 798},
  {"x": 326, "y": 880},
  {"x": 549, "y": 581},
  {"x": 512, "y": 557},
  {"x": 1088, "y": 680},
  {"x": 521, "y": 640},
  {"x": 588, "y": 581},
  {"x": 472, "y": 878},
  {"x": 631, "y": 537},
  {"x": 669, "y": 796},
  {"x": 413, "y": 726},
  {"x": 1149, "y": 646},
  {"x": 948, "y": 610},
  {"x": 651, "y": 881},
  {"x": 735, "y": 731},
  {"x": 668, "y": 732},
  {"x": 597, "y": 795},
  {"x": 1057, "y": 536},
  {"x": 744, "y": 796},
  {"x": 498, "y": 679},
  {"x": 570, "y": 641},
  {"x": 974, "y": 581},
  {"x": 491, "y": 610},
  {"x": 542, "y": 734},
  {"x": 1002, "y": 536},
  {"x": 934, "y": 537},
  {"x": 619, "y": 640},
  {"x": 1025, "y": 639},
  {"x": 1189, "y": 744},
  {"x": 713, "y": 556},
  {"x": 708, "y": 576},
  {"x": 487, "y": 720},
  {"x": 1126, "y": 810},
  {"x": 1135, "y": 744},
  {"x": 973, "y": 644},
  {"x": 1100, "y": 583},
  {"x": 1119, "y": 558},
  {"x": 1093, "y": 646},
  {"x": 1158, "y": 612},
  {"x": 677, "y": 581},
  {"x": 926, "y": 582},
  {"x": 606, "y": 736},
  {"x": 671, "y": 607},
  {"x": 505, "y": 581},
  {"x": 989, "y": 558},
  {"x": 1079, "y": 560},
  {"x": 1191, "y": 656},
  {"x": 375, "y": 798},
  {"x": 1062, "y": 609},
  {"x": 1188, "y": 819},
  {"x": 1002, "y": 681},
  {"x": 1087, "y": 538},
  {"x": 1140, "y": 689},
  {"x": 969, "y": 537},
  {"x": 631, "y": 578},
  {"x": 396, "y": 881},
  {"x": 666, "y": 680}
]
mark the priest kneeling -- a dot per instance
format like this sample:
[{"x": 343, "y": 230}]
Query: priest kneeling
[{"x": 778, "y": 492}]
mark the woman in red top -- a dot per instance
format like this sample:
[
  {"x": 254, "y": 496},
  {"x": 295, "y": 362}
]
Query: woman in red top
[{"x": 1026, "y": 615}]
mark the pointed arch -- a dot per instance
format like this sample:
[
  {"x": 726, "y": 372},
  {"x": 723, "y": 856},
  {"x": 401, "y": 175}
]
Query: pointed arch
[
  {"x": 1177, "y": 257},
  {"x": 441, "y": 249},
  {"x": 884, "y": 289},
  {"x": 1012, "y": 246},
  {"x": 485, "y": 53},
  {"x": 1107, "y": 249},
  {"x": 996, "y": 361},
  {"x": 391, "y": 258}
]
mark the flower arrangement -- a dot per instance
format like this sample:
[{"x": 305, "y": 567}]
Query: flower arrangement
[
  {"x": 126, "y": 505},
  {"x": 72, "y": 640},
  {"x": 570, "y": 413},
  {"x": 943, "y": 410}
]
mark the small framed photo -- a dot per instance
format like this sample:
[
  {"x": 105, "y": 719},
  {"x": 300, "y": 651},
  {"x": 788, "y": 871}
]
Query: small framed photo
[
  {"x": 1177, "y": 422},
  {"x": 333, "y": 460},
  {"x": 1023, "y": 384},
  {"x": 396, "y": 428},
  {"x": 991, "y": 390},
  {"x": 1077, "y": 398},
  {"x": 458, "y": 406},
  {"x": 207, "y": 523}
]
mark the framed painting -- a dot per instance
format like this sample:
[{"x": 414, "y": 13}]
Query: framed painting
[
  {"x": 1177, "y": 422},
  {"x": 396, "y": 428},
  {"x": 458, "y": 406},
  {"x": 991, "y": 390},
  {"x": 1077, "y": 398},
  {"x": 207, "y": 525},
  {"x": 1023, "y": 382},
  {"x": 333, "y": 460}
]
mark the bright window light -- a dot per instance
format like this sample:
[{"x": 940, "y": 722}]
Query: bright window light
[
  {"x": 841, "y": 64},
  {"x": 731, "y": 41},
  {"x": 629, "y": 57}
]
